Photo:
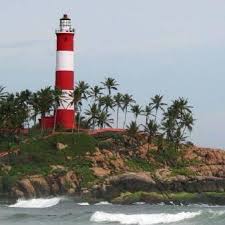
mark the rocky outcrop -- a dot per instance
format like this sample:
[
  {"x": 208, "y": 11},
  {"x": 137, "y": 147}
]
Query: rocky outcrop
[
  {"x": 145, "y": 182},
  {"x": 203, "y": 172},
  {"x": 38, "y": 185},
  {"x": 107, "y": 162}
]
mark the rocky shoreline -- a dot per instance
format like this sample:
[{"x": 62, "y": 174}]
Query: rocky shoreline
[
  {"x": 126, "y": 176},
  {"x": 126, "y": 188},
  {"x": 115, "y": 183}
]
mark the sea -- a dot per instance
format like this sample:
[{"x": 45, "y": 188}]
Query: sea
[{"x": 69, "y": 211}]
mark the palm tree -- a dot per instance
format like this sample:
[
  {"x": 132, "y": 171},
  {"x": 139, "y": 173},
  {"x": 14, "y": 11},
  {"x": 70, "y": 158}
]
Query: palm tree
[
  {"x": 58, "y": 99},
  {"x": 176, "y": 120},
  {"x": 79, "y": 94},
  {"x": 151, "y": 129},
  {"x": 136, "y": 110},
  {"x": 92, "y": 112},
  {"x": 126, "y": 101},
  {"x": 110, "y": 84},
  {"x": 84, "y": 89},
  {"x": 147, "y": 112},
  {"x": 103, "y": 119},
  {"x": 107, "y": 102},
  {"x": 157, "y": 104},
  {"x": 45, "y": 102},
  {"x": 3, "y": 94},
  {"x": 76, "y": 101},
  {"x": 13, "y": 113},
  {"x": 95, "y": 92},
  {"x": 132, "y": 131},
  {"x": 24, "y": 100},
  {"x": 187, "y": 122},
  {"x": 34, "y": 101},
  {"x": 118, "y": 99}
]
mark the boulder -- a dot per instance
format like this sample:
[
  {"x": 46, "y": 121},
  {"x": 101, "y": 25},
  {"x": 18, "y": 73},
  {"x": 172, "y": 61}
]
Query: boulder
[
  {"x": 61, "y": 146},
  {"x": 26, "y": 187},
  {"x": 100, "y": 172},
  {"x": 40, "y": 185}
]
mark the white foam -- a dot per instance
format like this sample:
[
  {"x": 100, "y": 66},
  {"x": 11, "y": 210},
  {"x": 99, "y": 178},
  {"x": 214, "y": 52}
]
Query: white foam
[
  {"x": 36, "y": 203},
  {"x": 142, "y": 219},
  {"x": 103, "y": 203},
  {"x": 83, "y": 203},
  {"x": 139, "y": 203}
]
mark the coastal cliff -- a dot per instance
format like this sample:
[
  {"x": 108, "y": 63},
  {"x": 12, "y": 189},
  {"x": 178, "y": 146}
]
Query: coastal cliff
[{"x": 118, "y": 169}]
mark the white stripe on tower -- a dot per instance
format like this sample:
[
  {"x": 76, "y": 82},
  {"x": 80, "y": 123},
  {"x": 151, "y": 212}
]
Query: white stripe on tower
[{"x": 64, "y": 61}]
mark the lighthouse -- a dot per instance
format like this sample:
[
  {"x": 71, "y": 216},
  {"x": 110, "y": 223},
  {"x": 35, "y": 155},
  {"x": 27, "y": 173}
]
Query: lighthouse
[{"x": 64, "y": 79}]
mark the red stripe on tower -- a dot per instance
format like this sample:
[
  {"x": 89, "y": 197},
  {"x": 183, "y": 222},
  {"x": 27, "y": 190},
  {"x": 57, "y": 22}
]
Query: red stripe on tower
[{"x": 65, "y": 73}]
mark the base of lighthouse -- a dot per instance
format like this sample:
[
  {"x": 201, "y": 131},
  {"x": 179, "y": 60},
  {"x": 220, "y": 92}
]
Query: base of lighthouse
[{"x": 65, "y": 119}]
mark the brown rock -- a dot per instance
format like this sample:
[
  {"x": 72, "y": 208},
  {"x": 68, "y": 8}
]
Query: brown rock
[
  {"x": 40, "y": 185},
  {"x": 100, "y": 172},
  {"x": 68, "y": 181},
  {"x": 26, "y": 187}
]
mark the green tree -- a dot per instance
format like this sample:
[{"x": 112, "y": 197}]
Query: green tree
[
  {"x": 45, "y": 102},
  {"x": 103, "y": 119},
  {"x": 34, "y": 101},
  {"x": 106, "y": 102},
  {"x": 151, "y": 129},
  {"x": 177, "y": 119},
  {"x": 136, "y": 110},
  {"x": 110, "y": 84},
  {"x": 92, "y": 113},
  {"x": 126, "y": 102},
  {"x": 3, "y": 94},
  {"x": 133, "y": 131},
  {"x": 58, "y": 99},
  {"x": 95, "y": 92},
  {"x": 157, "y": 104},
  {"x": 147, "y": 113},
  {"x": 118, "y": 99}
]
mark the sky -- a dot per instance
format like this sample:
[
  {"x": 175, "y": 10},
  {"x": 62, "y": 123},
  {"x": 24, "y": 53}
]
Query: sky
[{"x": 173, "y": 48}]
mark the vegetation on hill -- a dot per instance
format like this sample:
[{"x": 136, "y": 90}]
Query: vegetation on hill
[
  {"x": 163, "y": 125},
  {"x": 99, "y": 106}
]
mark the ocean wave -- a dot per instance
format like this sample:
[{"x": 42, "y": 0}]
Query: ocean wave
[
  {"x": 83, "y": 203},
  {"x": 36, "y": 203},
  {"x": 217, "y": 213},
  {"x": 142, "y": 219},
  {"x": 103, "y": 203},
  {"x": 139, "y": 203}
]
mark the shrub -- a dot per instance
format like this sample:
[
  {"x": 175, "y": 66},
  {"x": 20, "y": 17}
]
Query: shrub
[
  {"x": 105, "y": 145},
  {"x": 182, "y": 171},
  {"x": 138, "y": 164},
  {"x": 82, "y": 168},
  {"x": 7, "y": 182}
]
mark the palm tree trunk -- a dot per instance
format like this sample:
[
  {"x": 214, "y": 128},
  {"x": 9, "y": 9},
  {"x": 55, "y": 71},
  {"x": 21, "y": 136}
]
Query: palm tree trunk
[
  {"x": 117, "y": 117},
  {"x": 156, "y": 112},
  {"x": 125, "y": 119},
  {"x": 79, "y": 120},
  {"x": 54, "y": 126}
]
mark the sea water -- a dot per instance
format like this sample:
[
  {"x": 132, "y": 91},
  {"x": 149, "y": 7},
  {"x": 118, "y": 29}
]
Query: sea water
[{"x": 65, "y": 211}]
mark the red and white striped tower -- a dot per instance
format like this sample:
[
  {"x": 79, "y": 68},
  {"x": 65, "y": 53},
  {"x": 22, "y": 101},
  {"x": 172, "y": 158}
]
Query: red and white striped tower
[{"x": 65, "y": 73}]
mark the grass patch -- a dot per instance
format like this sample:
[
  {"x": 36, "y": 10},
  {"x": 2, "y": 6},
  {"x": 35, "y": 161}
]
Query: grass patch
[
  {"x": 138, "y": 164},
  {"x": 182, "y": 171},
  {"x": 37, "y": 155},
  {"x": 82, "y": 168}
]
